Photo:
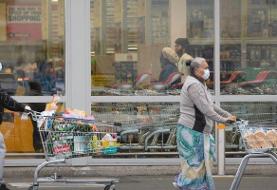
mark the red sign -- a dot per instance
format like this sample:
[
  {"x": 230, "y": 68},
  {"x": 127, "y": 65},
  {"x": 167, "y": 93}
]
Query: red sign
[
  {"x": 61, "y": 149},
  {"x": 24, "y": 22}
]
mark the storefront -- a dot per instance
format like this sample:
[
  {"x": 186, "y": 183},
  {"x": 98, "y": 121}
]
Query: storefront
[{"x": 103, "y": 56}]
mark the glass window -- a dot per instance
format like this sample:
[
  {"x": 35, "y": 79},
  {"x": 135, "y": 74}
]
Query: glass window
[
  {"x": 32, "y": 47},
  {"x": 248, "y": 47},
  {"x": 263, "y": 113},
  {"x": 200, "y": 24},
  {"x": 133, "y": 44},
  {"x": 140, "y": 126}
]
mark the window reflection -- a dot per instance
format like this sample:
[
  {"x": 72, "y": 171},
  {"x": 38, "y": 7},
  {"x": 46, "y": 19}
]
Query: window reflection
[
  {"x": 32, "y": 46},
  {"x": 248, "y": 58},
  {"x": 128, "y": 42},
  {"x": 141, "y": 127}
]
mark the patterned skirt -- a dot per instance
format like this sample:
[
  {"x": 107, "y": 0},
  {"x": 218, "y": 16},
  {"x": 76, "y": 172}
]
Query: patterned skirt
[{"x": 197, "y": 153}]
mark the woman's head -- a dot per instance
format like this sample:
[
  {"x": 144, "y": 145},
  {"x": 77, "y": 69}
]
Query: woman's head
[
  {"x": 200, "y": 68},
  {"x": 169, "y": 54}
]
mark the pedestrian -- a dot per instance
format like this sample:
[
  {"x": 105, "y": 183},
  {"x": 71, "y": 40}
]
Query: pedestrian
[
  {"x": 9, "y": 103},
  {"x": 195, "y": 142},
  {"x": 182, "y": 48}
]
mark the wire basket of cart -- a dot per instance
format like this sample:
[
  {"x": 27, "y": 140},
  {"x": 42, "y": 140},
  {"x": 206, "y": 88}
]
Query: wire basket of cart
[
  {"x": 260, "y": 141},
  {"x": 65, "y": 138}
]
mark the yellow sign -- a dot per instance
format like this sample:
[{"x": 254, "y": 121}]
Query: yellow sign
[
  {"x": 221, "y": 126},
  {"x": 103, "y": 80}
]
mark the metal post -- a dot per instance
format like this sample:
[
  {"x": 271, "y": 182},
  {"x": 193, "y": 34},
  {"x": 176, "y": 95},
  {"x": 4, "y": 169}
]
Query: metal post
[
  {"x": 77, "y": 51},
  {"x": 220, "y": 132},
  {"x": 177, "y": 10}
]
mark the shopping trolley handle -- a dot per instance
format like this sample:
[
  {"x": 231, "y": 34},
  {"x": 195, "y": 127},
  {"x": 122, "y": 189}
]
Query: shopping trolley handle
[
  {"x": 34, "y": 114},
  {"x": 241, "y": 122}
]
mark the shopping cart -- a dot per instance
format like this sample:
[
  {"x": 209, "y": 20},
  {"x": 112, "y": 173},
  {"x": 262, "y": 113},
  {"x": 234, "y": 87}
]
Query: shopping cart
[
  {"x": 260, "y": 141},
  {"x": 68, "y": 138}
]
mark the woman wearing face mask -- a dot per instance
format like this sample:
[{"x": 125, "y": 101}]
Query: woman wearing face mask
[{"x": 195, "y": 143}]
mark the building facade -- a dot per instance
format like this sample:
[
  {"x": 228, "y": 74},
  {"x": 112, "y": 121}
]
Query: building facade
[{"x": 103, "y": 56}]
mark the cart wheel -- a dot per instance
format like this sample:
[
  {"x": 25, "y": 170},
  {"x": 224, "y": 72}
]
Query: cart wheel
[
  {"x": 33, "y": 187},
  {"x": 110, "y": 187}
]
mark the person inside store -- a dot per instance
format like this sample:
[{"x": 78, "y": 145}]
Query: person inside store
[
  {"x": 168, "y": 60},
  {"x": 182, "y": 49},
  {"x": 46, "y": 77},
  {"x": 7, "y": 102},
  {"x": 195, "y": 142}
]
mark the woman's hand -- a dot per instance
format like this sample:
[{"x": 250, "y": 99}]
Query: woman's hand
[{"x": 232, "y": 119}]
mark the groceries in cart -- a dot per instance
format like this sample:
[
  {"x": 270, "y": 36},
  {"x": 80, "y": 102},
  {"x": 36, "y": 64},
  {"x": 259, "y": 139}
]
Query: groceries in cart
[
  {"x": 258, "y": 137},
  {"x": 73, "y": 133}
]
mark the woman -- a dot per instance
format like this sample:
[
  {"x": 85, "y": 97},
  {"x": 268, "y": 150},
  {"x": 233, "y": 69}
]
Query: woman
[
  {"x": 182, "y": 48},
  {"x": 195, "y": 143},
  {"x": 168, "y": 61}
]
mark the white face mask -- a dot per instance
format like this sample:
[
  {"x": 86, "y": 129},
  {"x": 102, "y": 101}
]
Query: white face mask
[
  {"x": 206, "y": 74},
  {"x": 1, "y": 66}
]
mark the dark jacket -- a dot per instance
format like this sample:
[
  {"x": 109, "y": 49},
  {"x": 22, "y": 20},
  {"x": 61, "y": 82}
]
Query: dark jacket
[
  {"x": 36, "y": 90},
  {"x": 9, "y": 103}
]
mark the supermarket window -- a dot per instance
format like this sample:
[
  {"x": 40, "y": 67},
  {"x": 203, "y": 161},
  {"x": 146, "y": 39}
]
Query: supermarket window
[
  {"x": 32, "y": 47},
  {"x": 128, "y": 40},
  {"x": 257, "y": 113},
  {"x": 200, "y": 28},
  {"x": 140, "y": 126},
  {"x": 248, "y": 47}
]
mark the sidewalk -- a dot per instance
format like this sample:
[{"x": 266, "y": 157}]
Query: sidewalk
[
  {"x": 164, "y": 183},
  {"x": 127, "y": 167}
]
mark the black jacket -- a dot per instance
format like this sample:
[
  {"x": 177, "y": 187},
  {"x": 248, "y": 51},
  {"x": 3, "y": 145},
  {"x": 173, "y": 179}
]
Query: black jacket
[{"x": 9, "y": 103}]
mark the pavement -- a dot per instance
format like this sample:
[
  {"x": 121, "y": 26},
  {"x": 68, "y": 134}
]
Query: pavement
[
  {"x": 136, "y": 174},
  {"x": 159, "y": 183}
]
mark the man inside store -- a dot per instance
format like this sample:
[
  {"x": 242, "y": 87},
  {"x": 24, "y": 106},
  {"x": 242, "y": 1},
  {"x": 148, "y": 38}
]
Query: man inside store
[
  {"x": 181, "y": 49},
  {"x": 9, "y": 103}
]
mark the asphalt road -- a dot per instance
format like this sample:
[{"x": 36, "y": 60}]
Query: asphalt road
[{"x": 163, "y": 183}]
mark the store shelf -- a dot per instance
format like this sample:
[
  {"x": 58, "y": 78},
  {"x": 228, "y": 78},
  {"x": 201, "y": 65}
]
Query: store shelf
[
  {"x": 231, "y": 41},
  {"x": 201, "y": 41},
  {"x": 22, "y": 43},
  {"x": 261, "y": 41},
  {"x": 234, "y": 41}
]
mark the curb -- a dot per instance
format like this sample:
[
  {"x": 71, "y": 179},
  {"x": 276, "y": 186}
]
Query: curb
[{"x": 122, "y": 171}]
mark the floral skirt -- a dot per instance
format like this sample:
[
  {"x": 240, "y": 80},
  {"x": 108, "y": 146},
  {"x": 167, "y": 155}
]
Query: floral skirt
[{"x": 197, "y": 153}]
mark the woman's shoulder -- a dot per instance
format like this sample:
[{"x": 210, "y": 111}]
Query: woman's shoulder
[{"x": 191, "y": 81}]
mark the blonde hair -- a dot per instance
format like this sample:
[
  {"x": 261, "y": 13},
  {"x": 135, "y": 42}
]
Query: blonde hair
[{"x": 170, "y": 54}]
